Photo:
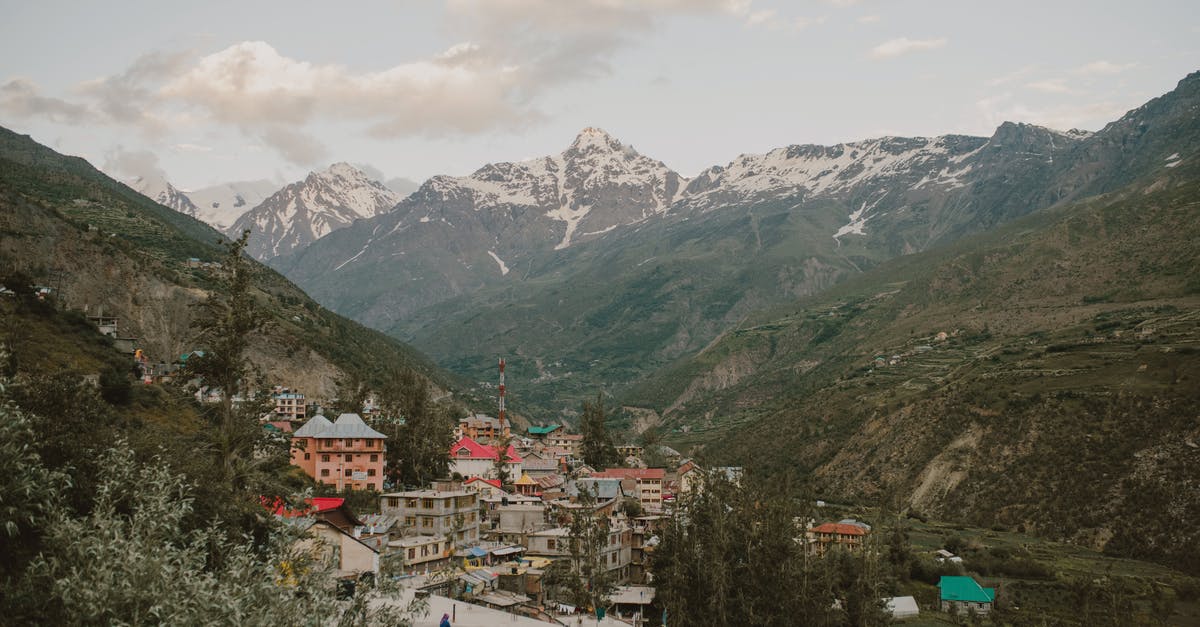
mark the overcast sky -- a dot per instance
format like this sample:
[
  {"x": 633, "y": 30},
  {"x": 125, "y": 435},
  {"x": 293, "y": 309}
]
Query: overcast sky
[{"x": 222, "y": 91}]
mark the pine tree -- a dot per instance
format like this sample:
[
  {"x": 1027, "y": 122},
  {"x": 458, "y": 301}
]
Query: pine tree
[
  {"x": 419, "y": 432},
  {"x": 597, "y": 449}
]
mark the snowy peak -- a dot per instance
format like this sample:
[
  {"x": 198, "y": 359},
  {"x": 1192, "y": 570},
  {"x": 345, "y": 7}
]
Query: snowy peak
[
  {"x": 592, "y": 139},
  {"x": 307, "y": 210},
  {"x": 163, "y": 192}
]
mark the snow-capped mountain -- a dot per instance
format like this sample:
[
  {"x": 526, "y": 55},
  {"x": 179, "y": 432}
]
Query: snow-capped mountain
[
  {"x": 307, "y": 210},
  {"x": 221, "y": 205},
  {"x": 158, "y": 189},
  {"x": 454, "y": 233}
]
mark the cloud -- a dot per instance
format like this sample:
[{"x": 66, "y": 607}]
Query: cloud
[
  {"x": 129, "y": 97},
  {"x": 294, "y": 145},
  {"x": 1050, "y": 86},
  {"x": 1104, "y": 67},
  {"x": 904, "y": 45},
  {"x": 21, "y": 98},
  {"x": 131, "y": 164},
  {"x": 1089, "y": 115}
]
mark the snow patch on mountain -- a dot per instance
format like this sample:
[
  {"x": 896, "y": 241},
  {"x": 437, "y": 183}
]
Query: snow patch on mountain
[{"x": 499, "y": 262}]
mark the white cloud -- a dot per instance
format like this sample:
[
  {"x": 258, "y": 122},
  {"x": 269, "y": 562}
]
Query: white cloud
[
  {"x": 1050, "y": 86},
  {"x": 1104, "y": 67},
  {"x": 1003, "y": 107},
  {"x": 130, "y": 164},
  {"x": 21, "y": 98},
  {"x": 904, "y": 45}
]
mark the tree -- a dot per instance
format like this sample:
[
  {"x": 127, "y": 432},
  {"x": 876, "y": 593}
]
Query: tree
[
  {"x": 419, "y": 432},
  {"x": 228, "y": 319},
  {"x": 592, "y": 582},
  {"x": 598, "y": 450},
  {"x": 132, "y": 561}
]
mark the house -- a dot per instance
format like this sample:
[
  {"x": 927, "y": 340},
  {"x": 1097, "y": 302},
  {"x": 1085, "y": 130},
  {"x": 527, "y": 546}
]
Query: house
[
  {"x": 436, "y": 513},
  {"x": 483, "y": 487},
  {"x": 481, "y": 427},
  {"x": 649, "y": 482},
  {"x": 469, "y": 458},
  {"x": 289, "y": 404},
  {"x": 413, "y": 554},
  {"x": 688, "y": 476},
  {"x": 541, "y": 464},
  {"x": 541, "y": 431},
  {"x": 844, "y": 535},
  {"x": 336, "y": 547},
  {"x": 630, "y": 450},
  {"x": 345, "y": 453},
  {"x": 569, "y": 441},
  {"x": 963, "y": 594}
]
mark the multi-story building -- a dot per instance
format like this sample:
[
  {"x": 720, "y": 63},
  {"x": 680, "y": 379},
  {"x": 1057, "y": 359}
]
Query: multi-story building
[
  {"x": 469, "y": 459},
  {"x": 649, "y": 483},
  {"x": 831, "y": 534},
  {"x": 643, "y": 528},
  {"x": 436, "y": 513},
  {"x": 569, "y": 441},
  {"x": 289, "y": 404},
  {"x": 345, "y": 453},
  {"x": 415, "y": 553},
  {"x": 615, "y": 554},
  {"x": 481, "y": 427}
]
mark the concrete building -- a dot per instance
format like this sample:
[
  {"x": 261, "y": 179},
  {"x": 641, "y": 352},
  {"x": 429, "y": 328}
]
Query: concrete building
[
  {"x": 345, "y": 453},
  {"x": 435, "y": 513},
  {"x": 649, "y": 482},
  {"x": 960, "y": 595},
  {"x": 289, "y": 404},
  {"x": 469, "y": 458}
]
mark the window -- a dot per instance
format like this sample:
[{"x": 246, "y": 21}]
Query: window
[
  {"x": 463, "y": 452},
  {"x": 324, "y": 458},
  {"x": 410, "y": 521},
  {"x": 307, "y": 456},
  {"x": 393, "y": 501},
  {"x": 412, "y": 553},
  {"x": 349, "y": 442},
  {"x": 426, "y": 523},
  {"x": 549, "y": 544},
  {"x": 426, "y": 503},
  {"x": 410, "y": 503},
  {"x": 349, "y": 472},
  {"x": 370, "y": 472},
  {"x": 324, "y": 472},
  {"x": 349, "y": 457},
  {"x": 374, "y": 458}
]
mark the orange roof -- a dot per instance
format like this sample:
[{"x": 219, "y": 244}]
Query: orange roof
[{"x": 840, "y": 529}]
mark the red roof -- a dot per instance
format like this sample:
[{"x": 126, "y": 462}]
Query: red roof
[
  {"x": 630, "y": 473},
  {"x": 840, "y": 529},
  {"x": 478, "y": 451},
  {"x": 316, "y": 505},
  {"x": 495, "y": 483}
]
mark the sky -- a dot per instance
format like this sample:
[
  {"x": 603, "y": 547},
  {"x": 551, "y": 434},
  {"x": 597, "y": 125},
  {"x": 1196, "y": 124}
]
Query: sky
[{"x": 212, "y": 92}]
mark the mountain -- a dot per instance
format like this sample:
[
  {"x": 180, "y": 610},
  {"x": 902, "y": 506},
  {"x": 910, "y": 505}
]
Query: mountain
[
  {"x": 102, "y": 246},
  {"x": 597, "y": 266},
  {"x": 221, "y": 205},
  {"x": 1041, "y": 377},
  {"x": 456, "y": 234},
  {"x": 161, "y": 191},
  {"x": 305, "y": 211}
]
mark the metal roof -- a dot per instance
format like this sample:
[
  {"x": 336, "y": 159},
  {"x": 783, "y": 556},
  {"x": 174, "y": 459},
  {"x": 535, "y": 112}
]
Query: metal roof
[
  {"x": 313, "y": 428},
  {"x": 965, "y": 589}
]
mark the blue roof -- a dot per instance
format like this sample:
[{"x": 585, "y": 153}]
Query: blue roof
[{"x": 476, "y": 551}]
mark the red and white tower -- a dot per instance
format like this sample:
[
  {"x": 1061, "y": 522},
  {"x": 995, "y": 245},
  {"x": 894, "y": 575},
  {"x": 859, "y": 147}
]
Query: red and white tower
[{"x": 501, "y": 394}]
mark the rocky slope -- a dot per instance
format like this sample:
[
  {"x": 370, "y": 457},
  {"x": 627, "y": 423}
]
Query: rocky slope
[
  {"x": 307, "y": 210},
  {"x": 103, "y": 246},
  {"x": 642, "y": 267}
]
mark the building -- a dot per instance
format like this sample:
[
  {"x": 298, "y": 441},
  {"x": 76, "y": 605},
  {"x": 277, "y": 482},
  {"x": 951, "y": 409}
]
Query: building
[
  {"x": 289, "y": 404},
  {"x": 964, "y": 594},
  {"x": 902, "y": 607},
  {"x": 845, "y": 535},
  {"x": 569, "y": 441},
  {"x": 630, "y": 450},
  {"x": 688, "y": 477},
  {"x": 540, "y": 432},
  {"x": 649, "y": 482},
  {"x": 345, "y": 453},
  {"x": 484, "y": 487},
  {"x": 539, "y": 465},
  {"x": 336, "y": 547},
  {"x": 413, "y": 554},
  {"x": 481, "y": 427},
  {"x": 469, "y": 458},
  {"x": 436, "y": 513}
]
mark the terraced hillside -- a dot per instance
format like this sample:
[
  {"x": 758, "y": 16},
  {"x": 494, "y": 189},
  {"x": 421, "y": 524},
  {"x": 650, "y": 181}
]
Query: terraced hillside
[{"x": 1044, "y": 377}]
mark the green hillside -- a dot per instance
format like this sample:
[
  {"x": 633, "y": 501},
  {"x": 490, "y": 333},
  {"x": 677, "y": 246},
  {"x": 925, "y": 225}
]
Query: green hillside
[
  {"x": 99, "y": 244},
  {"x": 1062, "y": 398}
]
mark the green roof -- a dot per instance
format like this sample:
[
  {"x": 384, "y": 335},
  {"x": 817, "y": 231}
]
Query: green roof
[
  {"x": 965, "y": 589},
  {"x": 543, "y": 430}
]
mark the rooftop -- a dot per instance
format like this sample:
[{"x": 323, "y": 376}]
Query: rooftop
[
  {"x": 349, "y": 426},
  {"x": 965, "y": 589}
]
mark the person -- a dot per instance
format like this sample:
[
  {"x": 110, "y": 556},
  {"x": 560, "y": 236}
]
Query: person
[{"x": 445, "y": 621}]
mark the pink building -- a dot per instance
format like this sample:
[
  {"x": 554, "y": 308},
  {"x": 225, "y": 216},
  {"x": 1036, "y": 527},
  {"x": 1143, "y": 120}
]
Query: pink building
[{"x": 345, "y": 453}]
